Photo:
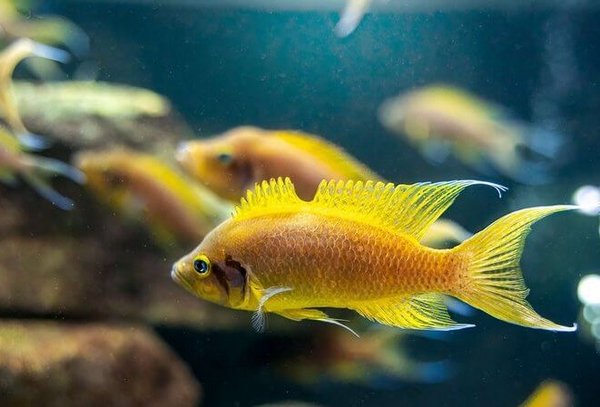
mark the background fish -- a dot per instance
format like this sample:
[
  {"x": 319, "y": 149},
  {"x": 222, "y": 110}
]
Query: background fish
[
  {"x": 550, "y": 393},
  {"x": 142, "y": 187},
  {"x": 440, "y": 120},
  {"x": 235, "y": 161},
  {"x": 378, "y": 359}
]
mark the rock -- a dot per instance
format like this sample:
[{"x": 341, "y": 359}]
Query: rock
[
  {"x": 60, "y": 364},
  {"x": 91, "y": 263}
]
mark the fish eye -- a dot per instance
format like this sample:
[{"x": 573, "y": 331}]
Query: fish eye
[
  {"x": 202, "y": 265},
  {"x": 225, "y": 158}
]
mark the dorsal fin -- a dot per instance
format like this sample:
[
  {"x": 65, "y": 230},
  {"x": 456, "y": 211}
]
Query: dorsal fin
[
  {"x": 275, "y": 195},
  {"x": 407, "y": 209},
  {"x": 328, "y": 153}
]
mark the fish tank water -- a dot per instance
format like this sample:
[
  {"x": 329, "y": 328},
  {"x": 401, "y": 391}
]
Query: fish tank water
[{"x": 502, "y": 92}]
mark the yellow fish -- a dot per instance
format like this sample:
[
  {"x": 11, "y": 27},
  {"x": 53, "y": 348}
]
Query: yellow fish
[
  {"x": 439, "y": 120},
  {"x": 142, "y": 186},
  {"x": 235, "y": 161},
  {"x": 35, "y": 170},
  {"x": 550, "y": 393},
  {"x": 355, "y": 245}
]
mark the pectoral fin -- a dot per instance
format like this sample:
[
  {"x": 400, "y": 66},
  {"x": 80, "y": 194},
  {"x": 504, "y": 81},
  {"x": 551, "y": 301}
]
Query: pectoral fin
[
  {"x": 424, "y": 311},
  {"x": 259, "y": 320}
]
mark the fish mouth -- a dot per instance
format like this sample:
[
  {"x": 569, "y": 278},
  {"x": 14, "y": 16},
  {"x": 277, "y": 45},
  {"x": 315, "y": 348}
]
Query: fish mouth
[
  {"x": 179, "y": 279},
  {"x": 181, "y": 152}
]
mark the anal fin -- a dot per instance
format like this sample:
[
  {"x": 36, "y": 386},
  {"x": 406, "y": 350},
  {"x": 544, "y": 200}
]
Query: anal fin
[
  {"x": 302, "y": 313},
  {"x": 424, "y": 311}
]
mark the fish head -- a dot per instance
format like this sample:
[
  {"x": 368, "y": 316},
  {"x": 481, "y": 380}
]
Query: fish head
[
  {"x": 107, "y": 177},
  {"x": 211, "y": 273},
  {"x": 392, "y": 113},
  {"x": 221, "y": 163}
]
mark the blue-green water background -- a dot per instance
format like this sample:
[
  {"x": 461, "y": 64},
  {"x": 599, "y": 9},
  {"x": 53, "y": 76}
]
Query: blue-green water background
[{"x": 224, "y": 67}]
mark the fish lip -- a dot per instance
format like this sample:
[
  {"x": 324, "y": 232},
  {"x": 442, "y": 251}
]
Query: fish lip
[
  {"x": 181, "y": 152},
  {"x": 174, "y": 274},
  {"x": 179, "y": 279}
]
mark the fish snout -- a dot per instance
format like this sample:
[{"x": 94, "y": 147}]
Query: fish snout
[
  {"x": 182, "y": 153},
  {"x": 175, "y": 273}
]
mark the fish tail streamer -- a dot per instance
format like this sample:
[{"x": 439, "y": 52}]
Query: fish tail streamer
[{"x": 494, "y": 282}]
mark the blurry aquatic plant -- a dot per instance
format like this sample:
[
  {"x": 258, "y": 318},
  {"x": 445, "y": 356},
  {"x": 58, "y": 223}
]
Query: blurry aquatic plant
[{"x": 443, "y": 120}]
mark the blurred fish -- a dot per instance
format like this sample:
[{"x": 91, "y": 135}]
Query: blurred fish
[
  {"x": 52, "y": 30},
  {"x": 355, "y": 246},
  {"x": 550, "y": 393},
  {"x": 439, "y": 120},
  {"x": 9, "y": 58},
  {"x": 235, "y": 161},
  {"x": 351, "y": 16},
  {"x": 377, "y": 360},
  {"x": 34, "y": 170},
  {"x": 142, "y": 187}
]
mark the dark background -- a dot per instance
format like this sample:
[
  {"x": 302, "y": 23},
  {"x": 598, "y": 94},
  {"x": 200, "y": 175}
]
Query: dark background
[{"x": 223, "y": 67}]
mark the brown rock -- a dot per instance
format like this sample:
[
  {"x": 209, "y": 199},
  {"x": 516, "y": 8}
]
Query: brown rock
[
  {"x": 59, "y": 364},
  {"x": 91, "y": 263}
]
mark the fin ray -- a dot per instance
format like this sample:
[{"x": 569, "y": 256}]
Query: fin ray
[
  {"x": 315, "y": 315},
  {"x": 424, "y": 311},
  {"x": 494, "y": 280},
  {"x": 407, "y": 209}
]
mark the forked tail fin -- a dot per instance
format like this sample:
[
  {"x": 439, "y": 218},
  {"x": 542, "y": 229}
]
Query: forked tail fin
[{"x": 494, "y": 280}]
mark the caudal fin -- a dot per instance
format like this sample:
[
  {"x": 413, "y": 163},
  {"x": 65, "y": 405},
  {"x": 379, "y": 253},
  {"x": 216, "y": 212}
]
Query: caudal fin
[{"x": 494, "y": 280}]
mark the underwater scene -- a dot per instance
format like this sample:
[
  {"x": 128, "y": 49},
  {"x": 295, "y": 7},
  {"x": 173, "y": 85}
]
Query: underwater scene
[{"x": 299, "y": 203}]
